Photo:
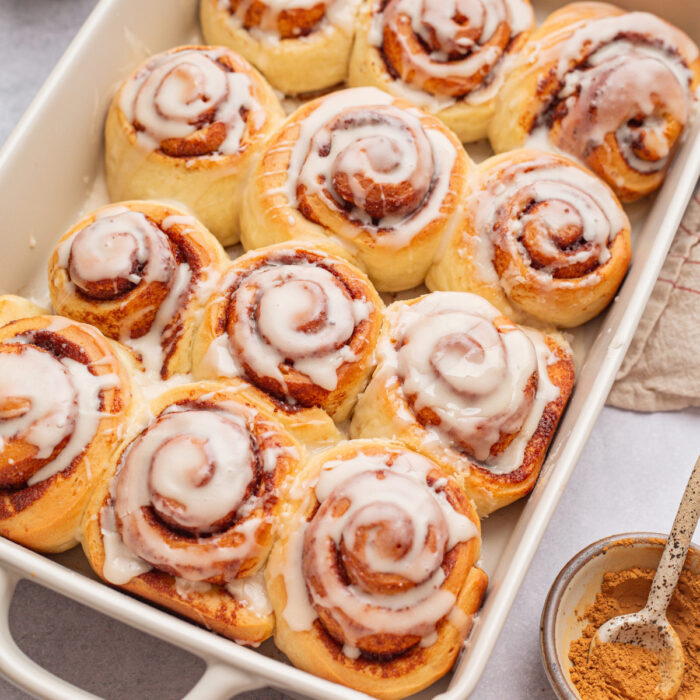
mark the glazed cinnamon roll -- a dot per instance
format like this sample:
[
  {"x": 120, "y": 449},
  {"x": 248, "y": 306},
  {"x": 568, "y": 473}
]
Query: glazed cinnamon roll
[
  {"x": 542, "y": 239},
  {"x": 373, "y": 581},
  {"x": 185, "y": 126},
  {"x": 65, "y": 399},
  {"x": 296, "y": 322},
  {"x": 374, "y": 174},
  {"x": 140, "y": 272},
  {"x": 300, "y": 46},
  {"x": 189, "y": 517},
  {"x": 614, "y": 89},
  {"x": 463, "y": 384},
  {"x": 449, "y": 58}
]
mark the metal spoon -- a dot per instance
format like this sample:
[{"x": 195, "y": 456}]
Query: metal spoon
[{"x": 649, "y": 627}]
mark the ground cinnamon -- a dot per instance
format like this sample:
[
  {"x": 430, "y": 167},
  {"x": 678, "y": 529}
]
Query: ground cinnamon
[{"x": 623, "y": 672}]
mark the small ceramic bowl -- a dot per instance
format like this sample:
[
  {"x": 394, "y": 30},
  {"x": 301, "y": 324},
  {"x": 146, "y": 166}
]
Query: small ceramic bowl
[{"x": 575, "y": 588}]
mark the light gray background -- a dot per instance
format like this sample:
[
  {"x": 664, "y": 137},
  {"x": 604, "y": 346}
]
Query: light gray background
[{"x": 630, "y": 477}]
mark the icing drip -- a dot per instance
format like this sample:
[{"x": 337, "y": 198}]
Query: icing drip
[
  {"x": 450, "y": 49},
  {"x": 134, "y": 279},
  {"x": 386, "y": 526},
  {"x": 474, "y": 380},
  {"x": 251, "y": 593},
  {"x": 470, "y": 376},
  {"x": 193, "y": 470},
  {"x": 625, "y": 76},
  {"x": 295, "y": 315},
  {"x": 554, "y": 217},
  {"x": 191, "y": 102},
  {"x": 42, "y": 432},
  {"x": 376, "y": 165}
]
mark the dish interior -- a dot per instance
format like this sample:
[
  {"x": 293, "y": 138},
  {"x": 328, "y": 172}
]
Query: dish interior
[{"x": 51, "y": 172}]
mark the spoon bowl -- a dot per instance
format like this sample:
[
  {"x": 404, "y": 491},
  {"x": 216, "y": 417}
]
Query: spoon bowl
[
  {"x": 649, "y": 628},
  {"x": 657, "y": 635},
  {"x": 575, "y": 589}
]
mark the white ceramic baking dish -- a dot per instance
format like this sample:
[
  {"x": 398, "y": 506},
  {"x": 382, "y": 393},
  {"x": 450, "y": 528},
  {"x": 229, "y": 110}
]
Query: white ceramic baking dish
[{"x": 48, "y": 170}]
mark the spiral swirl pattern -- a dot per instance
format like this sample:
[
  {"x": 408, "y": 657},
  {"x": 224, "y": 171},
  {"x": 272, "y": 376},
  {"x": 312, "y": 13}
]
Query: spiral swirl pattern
[
  {"x": 195, "y": 489},
  {"x": 449, "y": 49},
  {"x": 382, "y": 556},
  {"x": 138, "y": 271},
  {"x": 191, "y": 102},
  {"x": 466, "y": 372},
  {"x": 117, "y": 253},
  {"x": 295, "y": 319},
  {"x": 622, "y": 97},
  {"x": 43, "y": 432},
  {"x": 375, "y": 164}
]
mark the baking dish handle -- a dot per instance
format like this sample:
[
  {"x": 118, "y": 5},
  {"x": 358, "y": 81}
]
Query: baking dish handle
[
  {"x": 220, "y": 682},
  {"x": 17, "y": 666}
]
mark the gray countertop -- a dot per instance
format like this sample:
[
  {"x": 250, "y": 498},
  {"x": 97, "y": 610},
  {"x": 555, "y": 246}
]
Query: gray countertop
[{"x": 630, "y": 477}]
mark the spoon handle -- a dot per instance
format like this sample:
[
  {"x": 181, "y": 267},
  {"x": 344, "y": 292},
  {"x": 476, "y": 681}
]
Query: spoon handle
[{"x": 673, "y": 557}]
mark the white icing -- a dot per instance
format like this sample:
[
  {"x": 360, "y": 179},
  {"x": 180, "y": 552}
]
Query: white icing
[
  {"x": 338, "y": 14},
  {"x": 193, "y": 467},
  {"x": 251, "y": 592},
  {"x": 303, "y": 317},
  {"x": 392, "y": 137},
  {"x": 120, "y": 564},
  {"x": 633, "y": 85},
  {"x": 398, "y": 499},
  {"x": 113, "y": 246},
  {"x": 175, "y": 92},
  {"x": 480, "y": 393},
  {"x": 569, "y": 196},
  {"x": 448, "y": 50},
  {"x": 72, "y": 409}
]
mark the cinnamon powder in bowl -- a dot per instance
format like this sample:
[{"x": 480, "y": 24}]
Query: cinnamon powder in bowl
[
  {"x": 623, "y": 671},
  {"x": 608, "y": 578}
]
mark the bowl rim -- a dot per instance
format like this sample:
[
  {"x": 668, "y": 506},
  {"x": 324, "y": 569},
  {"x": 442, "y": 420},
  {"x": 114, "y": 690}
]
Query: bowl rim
[{"x": 557, "y": 676}]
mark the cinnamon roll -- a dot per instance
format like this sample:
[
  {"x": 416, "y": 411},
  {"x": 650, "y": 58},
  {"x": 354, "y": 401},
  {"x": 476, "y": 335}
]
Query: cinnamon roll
[
  {"x": 186, "y": 126},
  {"x": 373, "y": 581},
  {"x": 300, "y": 46},
  {"x": 188, "y": 517},
  {"x": 65, "y": 399},
  {"x": 13, "y": 307},
  {"x": 296, "y": 322},
  {"x": 140, "y": 272},
  {"x": 542, "y": 239},
  {"x": 374, "y": 174},
  {"x": 463, "y": 384},
  {"x": 449, "y": 58},
  {"x": 614, "y": 89}
]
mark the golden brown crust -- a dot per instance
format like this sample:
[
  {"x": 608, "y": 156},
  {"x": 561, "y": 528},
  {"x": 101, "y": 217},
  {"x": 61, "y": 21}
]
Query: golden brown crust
[
  {"x": 191, "y": 169},
  {"x": 13, "y": 307},
  {"x": 384, "y": 411},
  {"x": 128, "y": 311},
  {"x": 45, "y": 515},
  {"x": 395, "y": 255},
  {"x": 298, "y": 49},
  {"x": 320, "y": 648},
  {"x": 210, "y": 605},
  {"x": 532, "y": 245},
  {"x": 460, "y": 90},
  {"x": 533, "y": 95},
  {"x": 298, "y": 390}
]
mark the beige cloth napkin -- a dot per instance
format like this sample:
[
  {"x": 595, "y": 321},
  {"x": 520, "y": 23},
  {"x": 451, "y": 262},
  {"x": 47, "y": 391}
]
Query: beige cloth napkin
[{"x": 661, "y": 371}]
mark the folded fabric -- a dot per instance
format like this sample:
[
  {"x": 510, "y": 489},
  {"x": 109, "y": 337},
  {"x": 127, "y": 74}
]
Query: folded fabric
[{"x": 661, "y": 371}]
